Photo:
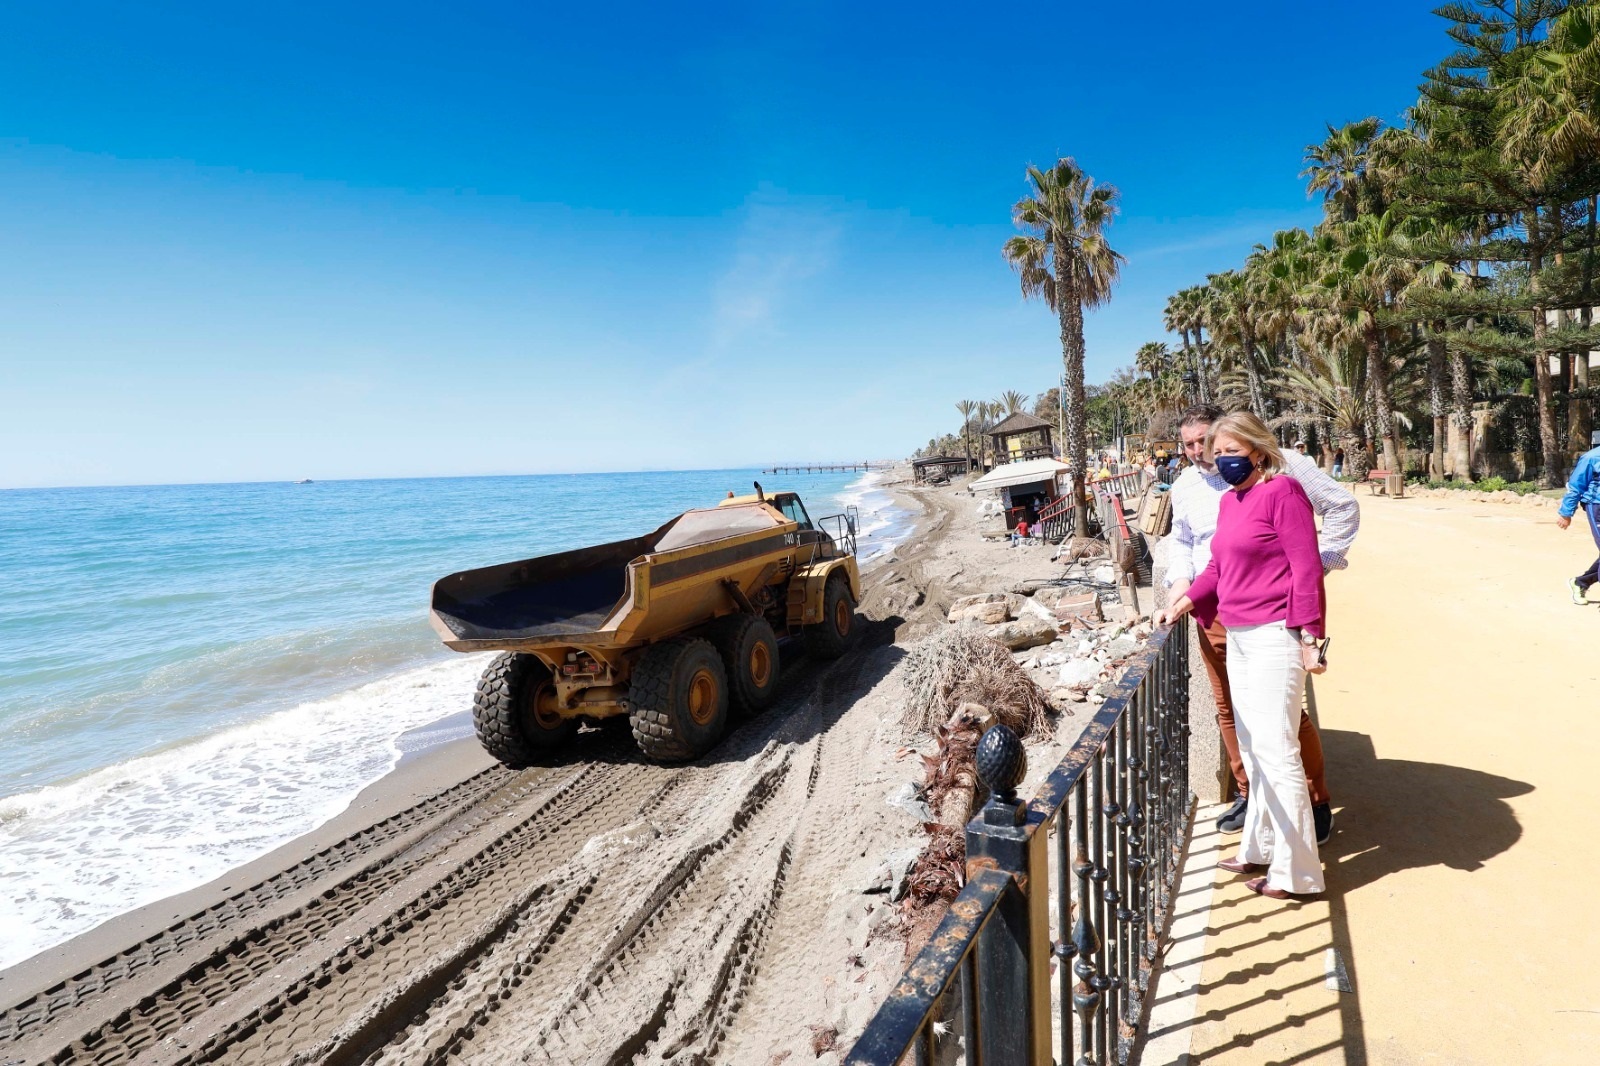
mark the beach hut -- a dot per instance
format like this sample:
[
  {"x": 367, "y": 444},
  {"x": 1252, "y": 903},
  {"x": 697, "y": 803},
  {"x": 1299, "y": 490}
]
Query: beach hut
[
  {"x": 1020, "y": 438},
  {"x": 1026, "y": 487}
]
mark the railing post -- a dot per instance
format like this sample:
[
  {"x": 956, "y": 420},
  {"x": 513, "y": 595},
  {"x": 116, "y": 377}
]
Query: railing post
[{"x": 1013, "y": 951}]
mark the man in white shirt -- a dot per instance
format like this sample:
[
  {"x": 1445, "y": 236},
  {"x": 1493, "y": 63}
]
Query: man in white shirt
[{"x": 1196, "y": 497}]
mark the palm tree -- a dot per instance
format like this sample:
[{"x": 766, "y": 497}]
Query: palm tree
[
  {"x": 1333, "y": 388},
  {"x": 966, "y": 408},
  {"x": 1063, "y": 257},
  {"x": 1338, "y": 167},
  {"x": 1236, "y": 322},
  {"x": 1012, "y": 401},
  {"x": 1153, "y": 359},
  {"x": 1363, "y": 274}
]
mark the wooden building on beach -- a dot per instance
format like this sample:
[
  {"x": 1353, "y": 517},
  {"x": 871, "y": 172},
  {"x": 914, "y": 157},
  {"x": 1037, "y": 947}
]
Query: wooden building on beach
[{"x": 1021, "y": 437}]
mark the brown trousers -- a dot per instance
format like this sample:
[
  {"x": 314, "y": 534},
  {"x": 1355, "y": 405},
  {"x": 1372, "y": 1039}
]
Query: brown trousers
[{"x": 1214, "y": 650}]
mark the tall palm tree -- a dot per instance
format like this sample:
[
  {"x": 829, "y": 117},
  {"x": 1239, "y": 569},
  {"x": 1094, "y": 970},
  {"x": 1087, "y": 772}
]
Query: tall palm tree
[
  {"x": 1338, "y": 167},
  {"x": 1012, "y": 401},
  {"x": 1153, "y": 359},
  {"x": 1176, "y": 318},
  {"x": 1237, "y": 322},
  {"x": 966, "y": 408},
  {"x": 1063, "y": 257},
  {"x": 1363, "y": 274}
]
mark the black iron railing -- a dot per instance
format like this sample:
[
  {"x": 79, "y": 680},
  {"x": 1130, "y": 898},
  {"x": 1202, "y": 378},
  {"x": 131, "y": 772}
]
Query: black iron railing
[{"x": 1117, "y": 809}]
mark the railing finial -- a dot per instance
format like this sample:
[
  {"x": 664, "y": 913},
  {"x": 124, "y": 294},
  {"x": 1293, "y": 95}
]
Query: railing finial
[{"x": 1002, "y": 762}]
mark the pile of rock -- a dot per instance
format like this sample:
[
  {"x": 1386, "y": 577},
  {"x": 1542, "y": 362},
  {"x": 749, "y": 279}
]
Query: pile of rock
[{"x": 1060, "y": 634}]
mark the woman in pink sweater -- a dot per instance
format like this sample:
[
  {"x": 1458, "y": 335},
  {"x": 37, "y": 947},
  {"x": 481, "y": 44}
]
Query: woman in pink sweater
[{"x": 1265, "y": 582}]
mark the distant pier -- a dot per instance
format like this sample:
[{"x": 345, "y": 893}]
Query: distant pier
[{"x": 817, "y": 468}]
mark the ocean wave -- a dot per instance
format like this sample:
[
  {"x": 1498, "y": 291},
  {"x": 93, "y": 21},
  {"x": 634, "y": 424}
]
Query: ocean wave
[{"x": 77, "y": 853}]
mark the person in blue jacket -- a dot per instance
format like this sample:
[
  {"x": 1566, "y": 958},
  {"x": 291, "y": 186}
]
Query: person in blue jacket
[{"x": 1583, "y": 491}]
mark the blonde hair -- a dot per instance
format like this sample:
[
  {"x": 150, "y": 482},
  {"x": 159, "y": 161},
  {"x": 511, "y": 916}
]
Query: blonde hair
[{"x": 1246, "y": 428}]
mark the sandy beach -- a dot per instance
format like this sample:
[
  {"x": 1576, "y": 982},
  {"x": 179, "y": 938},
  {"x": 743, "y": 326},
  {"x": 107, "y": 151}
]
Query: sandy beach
[{"x": 597, "y": 909}]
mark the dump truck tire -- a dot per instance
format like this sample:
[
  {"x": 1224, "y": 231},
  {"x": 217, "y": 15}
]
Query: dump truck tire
[
  {"x": 503, "y": 712},
  {"x": 829, "y": 637},
  {"x": 749, "y": 651},
  {"x": 678, "y": 700}
]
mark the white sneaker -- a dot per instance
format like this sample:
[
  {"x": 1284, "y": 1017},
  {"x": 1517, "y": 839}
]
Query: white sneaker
[{"x": 1580, "y": 595}]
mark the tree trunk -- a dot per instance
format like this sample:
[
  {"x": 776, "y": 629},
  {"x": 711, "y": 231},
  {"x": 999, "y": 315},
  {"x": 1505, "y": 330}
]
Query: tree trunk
[
  {"x": 1544, "y": 387},
  {"x": 1070, "y": 309},
  {"x": 1461, "y": 412},
  {"x": 1582, "y": 414},
  {"x": 1194, "y": 367},
  {"x": 1382, "y": 406},
  {"x": 1355, "y": 457},
  {"x": 1436, "y": 400},
  {"x": 1252, "y": 372}
]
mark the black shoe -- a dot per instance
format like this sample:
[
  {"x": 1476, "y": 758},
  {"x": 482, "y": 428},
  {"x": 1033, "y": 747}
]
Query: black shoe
[
  {"x": 1322, "y": 814},
  {"x": 1233, "y": 821}
]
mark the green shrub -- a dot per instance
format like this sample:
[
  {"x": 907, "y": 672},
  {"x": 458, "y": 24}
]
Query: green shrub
[{"x": 1488, "y": 484}]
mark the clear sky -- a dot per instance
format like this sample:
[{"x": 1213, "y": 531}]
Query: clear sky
[{"x": 259, "y": 242}]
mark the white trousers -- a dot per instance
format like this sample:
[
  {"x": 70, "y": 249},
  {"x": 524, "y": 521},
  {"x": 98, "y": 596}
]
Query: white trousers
[{"x": 1267, "y": 681}]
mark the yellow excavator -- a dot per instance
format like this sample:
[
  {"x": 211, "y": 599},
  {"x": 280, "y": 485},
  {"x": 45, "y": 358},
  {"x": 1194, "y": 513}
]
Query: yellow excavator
[{"x": 678, "y": 629}]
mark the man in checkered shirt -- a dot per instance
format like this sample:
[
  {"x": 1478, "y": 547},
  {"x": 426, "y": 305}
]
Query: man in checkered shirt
[{"x": 1196, "y": 496}]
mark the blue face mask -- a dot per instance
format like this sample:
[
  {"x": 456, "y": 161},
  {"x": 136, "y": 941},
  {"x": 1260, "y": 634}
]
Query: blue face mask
[{"x": 1235, "y": 469}]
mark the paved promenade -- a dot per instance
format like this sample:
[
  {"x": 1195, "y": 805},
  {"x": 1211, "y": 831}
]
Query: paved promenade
[{"x": 1461, "y": 722}]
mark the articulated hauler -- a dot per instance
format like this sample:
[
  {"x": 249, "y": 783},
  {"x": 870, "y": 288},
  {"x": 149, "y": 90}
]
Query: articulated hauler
[{"x": 677, "y": 629}]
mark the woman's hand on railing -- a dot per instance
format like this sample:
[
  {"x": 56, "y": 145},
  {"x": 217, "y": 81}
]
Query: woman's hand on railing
[{"x": 1165, "y": 616}]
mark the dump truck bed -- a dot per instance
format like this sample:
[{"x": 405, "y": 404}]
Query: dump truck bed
[{"x": 585, "y": 595}]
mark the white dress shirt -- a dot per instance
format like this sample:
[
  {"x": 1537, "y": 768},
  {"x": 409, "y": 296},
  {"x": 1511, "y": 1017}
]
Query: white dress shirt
[{"x": 1197, "y": 496}]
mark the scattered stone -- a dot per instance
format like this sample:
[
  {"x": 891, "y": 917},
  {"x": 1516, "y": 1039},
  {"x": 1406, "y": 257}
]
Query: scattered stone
[
  {"x": 1062, "y": 699},
  {"x": 1033, "y": 609},
  {"x": 1051, "y": 595},
  {"x": 908, "y": 798},
  {"x": 1024, "y": 633},
  {"x": 985, "y": 607},
  {"x": 1078, "y": 673},
  {"x": 1085, "y": 605},
  {"x": 1105, "y": 575},
  {"x": 1122, "y": 647}
]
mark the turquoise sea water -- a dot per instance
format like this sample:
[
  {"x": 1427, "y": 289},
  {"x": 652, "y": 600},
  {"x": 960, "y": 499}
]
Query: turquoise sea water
[{"x": 192, "y": 675}]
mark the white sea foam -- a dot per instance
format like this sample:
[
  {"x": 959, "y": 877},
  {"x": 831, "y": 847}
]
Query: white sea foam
[
  {"x": 883, "y": 526},
  {"x": 75, "y": 854}
]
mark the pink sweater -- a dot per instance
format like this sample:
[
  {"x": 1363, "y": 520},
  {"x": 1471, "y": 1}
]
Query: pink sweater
[{"x": 1264, "y": 566}]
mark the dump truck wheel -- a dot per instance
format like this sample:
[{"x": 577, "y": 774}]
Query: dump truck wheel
[
  {"x": 829, "y": 637},
  {"x": 505, "y": 715},
  {"x": 749, "y": 651},
  {"x": 678, "y": 700}
]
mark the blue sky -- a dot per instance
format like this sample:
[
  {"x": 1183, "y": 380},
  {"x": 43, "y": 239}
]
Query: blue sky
[{"x": 258, "y": 242}]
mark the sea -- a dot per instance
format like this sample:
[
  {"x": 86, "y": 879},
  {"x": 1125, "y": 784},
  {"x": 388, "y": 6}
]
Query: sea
[{"x": 192, "y": 675}]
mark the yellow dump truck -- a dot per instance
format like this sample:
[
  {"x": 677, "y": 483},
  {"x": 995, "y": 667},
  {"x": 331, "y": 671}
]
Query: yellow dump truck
[{"x": 677, "y": 629}]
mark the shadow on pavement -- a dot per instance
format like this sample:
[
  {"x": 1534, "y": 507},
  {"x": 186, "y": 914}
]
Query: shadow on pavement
[
  {"x": 1394, "y": 814},
  {"x": 1281, "y": 983}
]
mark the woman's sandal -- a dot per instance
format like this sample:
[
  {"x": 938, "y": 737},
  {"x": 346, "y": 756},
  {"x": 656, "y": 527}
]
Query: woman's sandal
[
  {"x": 1260, "y": 887},
  {"x": 1234, "y": 866}
]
